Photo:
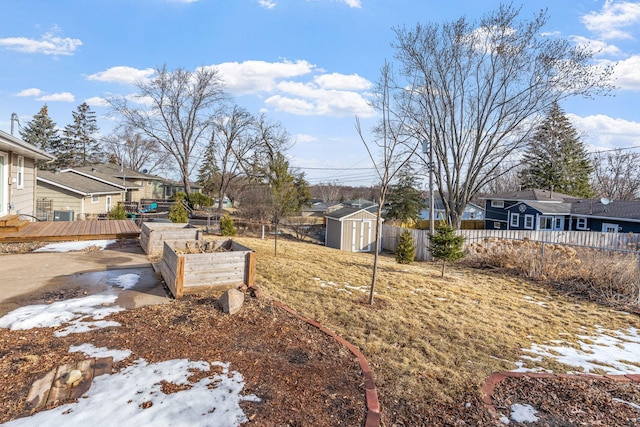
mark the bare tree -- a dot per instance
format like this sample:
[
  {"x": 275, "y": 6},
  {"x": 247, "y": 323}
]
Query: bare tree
[
  {"x": 391, "y": 150},
  {"x": 181, "y": 107},
  {"x": 480, "y": 88},
  {"x": 135, "y": 151},
  {"x": 329, "y": 192},
  {"x": 616, "y": 175}
]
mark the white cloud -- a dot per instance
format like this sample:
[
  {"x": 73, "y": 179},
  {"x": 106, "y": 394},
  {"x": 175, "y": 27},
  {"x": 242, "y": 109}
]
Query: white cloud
[
  {"x": 339, "y": 81},
  {"x": 605, "y": 132},
  {"x": 259, "y": 76},
  {"x": 290, "y": 105},
  {"x": 32, "y": 91},
  {"x": 626, "y": 74},
  {"x": 58, "y": 97},
  {"x": 142, "y": 100},
  {"x": 123, "y": 74},
  {"x": 97, "y": 101},
  {"x": 304, "y": 138},
  {"x": 613, "y": 20},
  {"x": 267, "y": 4},
  {"x": 353, "y": 3},
  {"x": 49, "y": 44},
  {"x": 599, "y": 47}
]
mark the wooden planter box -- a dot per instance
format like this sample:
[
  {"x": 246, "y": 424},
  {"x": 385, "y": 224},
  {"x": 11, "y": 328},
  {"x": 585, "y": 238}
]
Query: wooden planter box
[
  {"x": 189, "y": 273},
  {"x": 154, "y": 234}
]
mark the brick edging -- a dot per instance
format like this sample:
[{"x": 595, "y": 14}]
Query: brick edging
[
  {"x": 490, "y": 383},
  {"x": 371, "y": 393}
]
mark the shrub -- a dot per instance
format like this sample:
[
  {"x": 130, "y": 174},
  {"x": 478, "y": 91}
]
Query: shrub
[
  {"x": 199, "y": 200},
  {"x": 446, "y": 245},
  {"x": 226, "y": 226},
  {"x": 178, "y": 213},
  {"x": 406, "y": 250},
  {"x": 118, "y": 212}
]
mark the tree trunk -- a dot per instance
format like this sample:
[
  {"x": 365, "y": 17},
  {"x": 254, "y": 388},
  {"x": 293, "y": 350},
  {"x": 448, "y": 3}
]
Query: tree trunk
[
  {"x": 376, "y": 252},
  {"x": 442, "y": 272}
]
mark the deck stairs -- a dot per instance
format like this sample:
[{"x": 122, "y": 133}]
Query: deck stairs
[{"x": 10, "y": 223}]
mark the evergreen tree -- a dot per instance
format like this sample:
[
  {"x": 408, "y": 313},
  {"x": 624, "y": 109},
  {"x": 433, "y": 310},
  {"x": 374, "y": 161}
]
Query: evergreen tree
[
  {"x": 227, "y": 228},
  {"x": 405, "y": 199},
  {"x": 209, "y": 173},
  {"x": 446, "y": 245},
  {"x": 79, "y": 145},
  {"x": 41, "y": 132},
  {"x": 556, "y": 159},
  {"x": 406, "y": 250}
]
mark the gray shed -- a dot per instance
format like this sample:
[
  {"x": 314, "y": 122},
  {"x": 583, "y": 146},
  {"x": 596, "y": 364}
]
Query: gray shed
[{"x": 351, "y": 229}]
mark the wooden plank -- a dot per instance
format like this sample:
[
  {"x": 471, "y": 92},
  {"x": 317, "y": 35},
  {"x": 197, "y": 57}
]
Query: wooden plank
[
  {"x": 180, "y": 278},
  {"x": 102, "y": 365},
  {"x": 250, "y": 272},
  {"x": 59, "y": 390},
  {"x": 86, "y": 367},
  {"x": 39, "y": 392}
]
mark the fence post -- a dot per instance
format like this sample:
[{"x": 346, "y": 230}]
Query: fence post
[{"x": 542, "y": 261}]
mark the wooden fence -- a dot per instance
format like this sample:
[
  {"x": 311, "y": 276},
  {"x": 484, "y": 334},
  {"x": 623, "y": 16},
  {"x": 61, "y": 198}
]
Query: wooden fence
[{"x": 591, "y": 239}]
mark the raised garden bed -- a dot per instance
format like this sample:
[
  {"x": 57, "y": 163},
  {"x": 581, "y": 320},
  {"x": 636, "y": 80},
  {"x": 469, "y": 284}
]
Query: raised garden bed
[
  {"x": 154, "y": 234},
  {"x": 194, "y": 266}
]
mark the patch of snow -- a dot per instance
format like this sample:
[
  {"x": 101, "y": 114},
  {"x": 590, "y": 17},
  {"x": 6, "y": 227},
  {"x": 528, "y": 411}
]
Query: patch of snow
[
  {"x": 633, "y": 405},
  {"x": 504, "y": 420},
  {"x": 613, "y": 352},
  {"x": 523, "y": 413},
  {"x": 134, "y": 397},
  {"x": 75, "y": 246},
  {"x": 125, "y": 281},
  {"x": 93, "y": 351}
]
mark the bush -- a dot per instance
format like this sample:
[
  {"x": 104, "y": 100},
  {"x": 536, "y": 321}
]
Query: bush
[
  {"x": 199, "y": 200},
  {"x": 446, "y": 245},
  {"x": 406, "y": 250},
  {"x": 118, "y": 212},
  {"x": 178, "y": 213},
  {"x": 226, "y": 226}
]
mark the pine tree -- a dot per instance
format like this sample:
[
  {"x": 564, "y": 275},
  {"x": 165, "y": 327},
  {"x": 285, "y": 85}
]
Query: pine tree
[
  {"x": 209, "y": 172},
  {"x": 227, "y": 228},
  {"x": 41, "y": 132},
  {"x": 556, "y": 158},
  {"x": 405, "y": 199},
  {"x": 79, "y": 146},
  {"x": 446, "y": 245},
  {"x": 406, "y": 250}
]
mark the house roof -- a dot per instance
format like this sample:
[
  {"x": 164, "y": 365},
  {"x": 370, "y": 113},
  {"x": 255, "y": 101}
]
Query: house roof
[
  {"x": 343, "y": 213},
  {"x": 534, "y": 195},
  {"x": 618, "y": 209},
  {"x": 93, "y": 173},
  {"x": 77, "y": 183},
  {"x": 11, "y": 143},
  {"x": 117, "y": 171},
  {"x": 548, "y": 208}
]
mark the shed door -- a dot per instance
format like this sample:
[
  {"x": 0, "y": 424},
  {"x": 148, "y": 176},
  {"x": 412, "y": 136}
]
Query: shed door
[
  {"x": 4, "y": 183},
  {"x": 361, "y": 236}
]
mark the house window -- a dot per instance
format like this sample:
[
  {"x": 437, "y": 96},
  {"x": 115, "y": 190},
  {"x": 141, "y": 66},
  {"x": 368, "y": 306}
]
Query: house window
[
  {"x": 95, "y": 199},
  {"x": 20, "y": 180},
  {"x": 581, "y": 224},
  {"x": 559, "y": 224},
  {"x": 528, "y": 222},
  {"x": 610, "y": 228},
  {"x": 497, "y": 203},
  {"x": 546, "y": 223},
  {"x": 515, "y": 220},
  {"x": 496, "y": 225},
  {"x": 108, "y": 205}
]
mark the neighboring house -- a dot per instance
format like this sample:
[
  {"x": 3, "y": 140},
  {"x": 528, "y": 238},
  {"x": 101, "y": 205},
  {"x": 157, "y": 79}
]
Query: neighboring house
[
  {"x": 542, "y": 210},
  {"x": 471, "y": 211},
  {"x": 72, "y": 191},
  {"x": 316, "y": 208},
  {"x": 351, "y": 229},
  {"x": 138, "y": 186},
  {"x": 18, "y": 175},
  {"x": 169, "y": 188},
  {"x": 496, "y": 216}
]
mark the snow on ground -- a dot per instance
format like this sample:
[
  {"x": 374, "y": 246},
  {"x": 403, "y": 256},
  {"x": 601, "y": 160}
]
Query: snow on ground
[
  {"x": 523, "y": 413},
  {"x": 77, "y": 315},
  {"x": 611, "y": 352},
  {"x": 75, "y": 246},
  {"x": 344, "y": 287},
  {"x": 134, "y": 397},
  {"x": 93, "y": 351}
]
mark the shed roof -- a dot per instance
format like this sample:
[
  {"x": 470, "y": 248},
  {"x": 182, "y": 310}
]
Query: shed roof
[{"x": 344, "y": 213}]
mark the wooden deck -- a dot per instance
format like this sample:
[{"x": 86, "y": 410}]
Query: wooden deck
[{"x": 59, "y": 231}]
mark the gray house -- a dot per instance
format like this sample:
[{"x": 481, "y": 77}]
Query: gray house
[
  {"x": 351, "y": 229},
  {"x": 18, "y": 175}
]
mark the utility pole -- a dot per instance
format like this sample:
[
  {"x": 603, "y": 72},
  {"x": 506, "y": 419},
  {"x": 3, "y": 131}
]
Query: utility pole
[{"x": 14, "y": 118}]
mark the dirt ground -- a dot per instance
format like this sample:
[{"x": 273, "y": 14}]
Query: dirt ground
[{"x": 302, "y": 376}]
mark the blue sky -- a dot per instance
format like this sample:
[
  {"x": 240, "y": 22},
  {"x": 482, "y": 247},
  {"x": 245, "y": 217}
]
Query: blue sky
[{"x": 309, "y": 64}]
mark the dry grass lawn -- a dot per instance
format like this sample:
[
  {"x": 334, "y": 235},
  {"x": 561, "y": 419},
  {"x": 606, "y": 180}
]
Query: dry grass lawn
[{"x": 430, "y": 340}]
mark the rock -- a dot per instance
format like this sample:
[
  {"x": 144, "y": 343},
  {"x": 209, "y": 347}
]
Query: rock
[{"x": 231, "y": 301}]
